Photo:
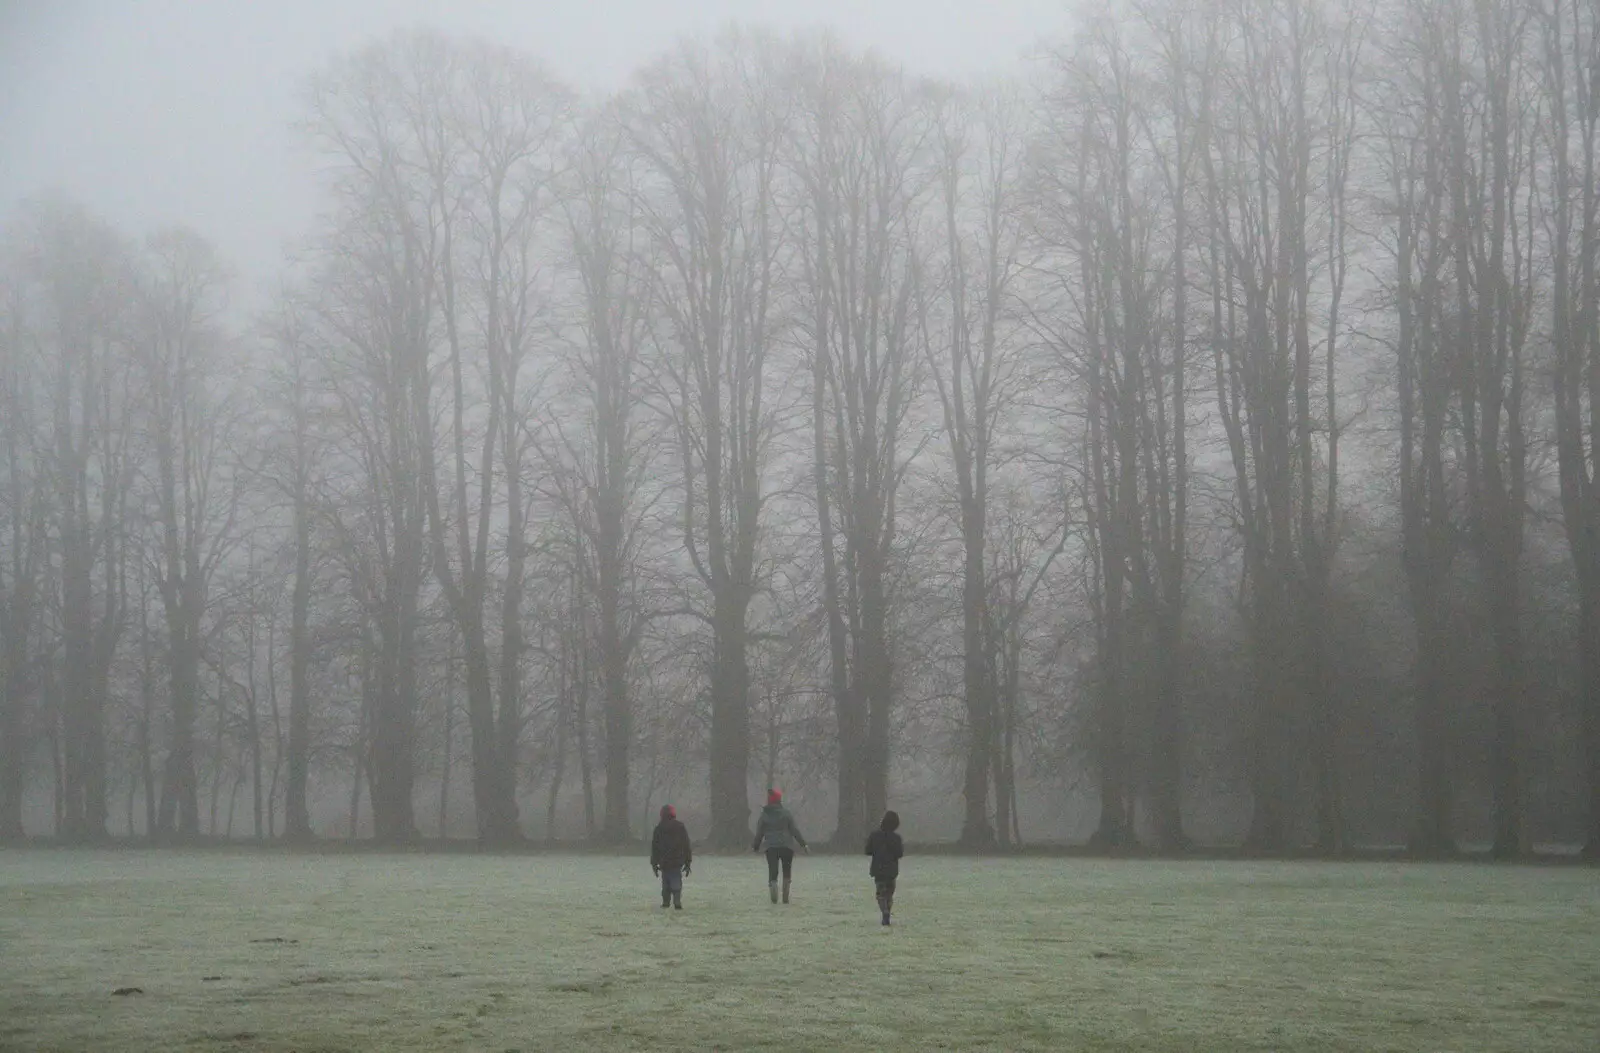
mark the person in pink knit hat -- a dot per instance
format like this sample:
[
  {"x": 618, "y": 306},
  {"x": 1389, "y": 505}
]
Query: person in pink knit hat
[{"x": 777, "y": 834}]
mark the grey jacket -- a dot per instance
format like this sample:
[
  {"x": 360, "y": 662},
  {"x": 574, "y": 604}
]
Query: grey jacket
[{"x": 776, "y": 829}]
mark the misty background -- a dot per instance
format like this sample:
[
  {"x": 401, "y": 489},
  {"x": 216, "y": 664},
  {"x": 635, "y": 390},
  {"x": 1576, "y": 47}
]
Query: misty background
[
  {"x": 1163, "y": 422},
  {"x": 192, "y": 106}
]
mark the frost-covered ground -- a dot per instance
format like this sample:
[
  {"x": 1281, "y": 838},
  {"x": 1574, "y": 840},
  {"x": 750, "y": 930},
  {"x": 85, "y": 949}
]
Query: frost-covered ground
[{"x": 373, "y": 952}]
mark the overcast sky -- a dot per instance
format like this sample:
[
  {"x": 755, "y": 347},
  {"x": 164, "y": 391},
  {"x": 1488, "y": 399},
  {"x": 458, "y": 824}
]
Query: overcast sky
[{"x": 156, "y": 111}]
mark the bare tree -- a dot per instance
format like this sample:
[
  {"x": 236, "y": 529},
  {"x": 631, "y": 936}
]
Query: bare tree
[
  {"x": 1413, "y": 157},
  {"x": 1570, "y": 32},
  {"x": 196, "y": 501},
  {"x": 1288, "y": 101},
  {"x": 379, "y": 305},
  {"x": 708, "y": 124},
  {"x": 292, "y": 469},
  {"x": 980, "y": 143},
  {"x": 1483, "y": 102},
  {"x": 487, "y": 123},
  {"x": 1182, "y": 67},
  {"x": 77, "y": 276},
  {"x": 1098, "y": 219},
  {"x": 861, "y": 161},
  {"x": 23, "y": 515},
  {"x": 1026, "y": 541},
  {"x": 605, "y": 467}
]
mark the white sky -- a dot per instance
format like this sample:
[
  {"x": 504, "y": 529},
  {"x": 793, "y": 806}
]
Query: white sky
[{"x": 158, "y": 111}]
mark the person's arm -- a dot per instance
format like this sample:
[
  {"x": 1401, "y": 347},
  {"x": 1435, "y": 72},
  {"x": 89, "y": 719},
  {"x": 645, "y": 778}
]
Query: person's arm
[
  {"x": 755, "y": 846},
  {"x": 655, "y": 849},
  {"x": 794, "y": 828},
  {"x": 899, "y": 847},
  {"x": 688, "y": 849},
  {"x": 870, "y": 838}
]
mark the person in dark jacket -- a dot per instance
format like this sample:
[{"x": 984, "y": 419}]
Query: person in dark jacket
[
  {"x": 671, "y": 857},
  {"x": 886, "y": 848},
  {"x": 777, "y": 833}
]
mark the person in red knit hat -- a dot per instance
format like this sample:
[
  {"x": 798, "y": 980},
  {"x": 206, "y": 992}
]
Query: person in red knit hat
[
  {"x": 671, "y": 856},
  {"x": 777, "y": 833}
]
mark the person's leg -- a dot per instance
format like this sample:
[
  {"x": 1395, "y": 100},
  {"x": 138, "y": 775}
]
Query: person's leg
[
  {"x": 772, "y": 873},
  {"x": 666, "y": 888},
  {"x": 788, "y": 868},
  {"x": 676, "y": 886},
  {"x": 886, "y": 892}
]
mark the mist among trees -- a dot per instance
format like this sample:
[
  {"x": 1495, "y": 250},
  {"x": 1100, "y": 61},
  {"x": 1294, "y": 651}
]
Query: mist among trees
[{"x": 1191, "y": 445}]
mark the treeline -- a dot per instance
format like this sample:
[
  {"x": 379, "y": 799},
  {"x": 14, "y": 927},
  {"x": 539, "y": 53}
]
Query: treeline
[{"x": 1206, "y": 432}]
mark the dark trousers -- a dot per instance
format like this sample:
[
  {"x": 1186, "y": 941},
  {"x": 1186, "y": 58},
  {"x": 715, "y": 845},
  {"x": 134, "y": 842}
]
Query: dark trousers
[
  {"x": 775, "y": 856},
  {"x": 885, "y": 893},
  {"x": 671, "y": 885}
]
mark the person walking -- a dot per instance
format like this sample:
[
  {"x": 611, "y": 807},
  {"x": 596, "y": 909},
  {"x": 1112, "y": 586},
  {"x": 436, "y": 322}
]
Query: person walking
[
  {"x": 671, "y": 856},
  {"x": 885, "y": 847},
  {"x": 777, "y": 834}
]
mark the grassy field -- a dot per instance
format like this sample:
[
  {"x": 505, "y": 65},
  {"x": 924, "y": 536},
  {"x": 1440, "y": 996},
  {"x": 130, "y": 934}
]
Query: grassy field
[{"x": 239, "y": 951}]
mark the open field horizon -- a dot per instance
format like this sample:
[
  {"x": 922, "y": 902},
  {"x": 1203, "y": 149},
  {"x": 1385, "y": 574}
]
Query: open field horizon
[
  {"x": 1466, "y": 851},
  {"x": 410, "y": 951}
]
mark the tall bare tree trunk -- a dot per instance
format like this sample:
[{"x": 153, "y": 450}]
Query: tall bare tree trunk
[
  {"x": 22, "y": 492},
  {"x": 1484, "y": 192},
  {"x": 558, "y": 769},
  {"x": 296, "y": 814},
  {"x": 446, "y": 773},
  {"x": 717, "y": 227},
  {"x": 854, "y": 159},
  {"x": 1571, "y": 73},
  {"x": 252, "y": 716}
]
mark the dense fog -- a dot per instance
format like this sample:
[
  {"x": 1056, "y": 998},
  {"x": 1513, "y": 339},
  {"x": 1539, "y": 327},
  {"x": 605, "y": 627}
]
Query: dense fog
[{"x": 1183, "y": 437}]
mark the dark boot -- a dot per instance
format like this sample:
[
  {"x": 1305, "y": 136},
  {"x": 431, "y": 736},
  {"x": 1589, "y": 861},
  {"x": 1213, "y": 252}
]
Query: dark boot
[
  {"x": 677, "y": 901},
  {"x": 666, "y": 899},
  {"x": 786, "y": 890}
]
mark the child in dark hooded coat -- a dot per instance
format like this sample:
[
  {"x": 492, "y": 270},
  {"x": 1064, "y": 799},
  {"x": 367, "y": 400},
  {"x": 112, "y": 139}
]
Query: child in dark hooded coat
[
  {"x": 886, "y": 848},
  {"x": 671, "y": 856}
]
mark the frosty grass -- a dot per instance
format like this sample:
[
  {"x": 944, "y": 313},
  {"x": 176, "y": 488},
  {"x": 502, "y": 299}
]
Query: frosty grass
[{"x": 259, "y": 951}]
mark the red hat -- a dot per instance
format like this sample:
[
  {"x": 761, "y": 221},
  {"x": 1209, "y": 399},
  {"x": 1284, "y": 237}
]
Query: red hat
[
  {"x": 774, "y": 796},
  {"x": 668, "y": 812}
]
